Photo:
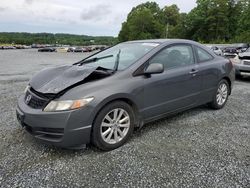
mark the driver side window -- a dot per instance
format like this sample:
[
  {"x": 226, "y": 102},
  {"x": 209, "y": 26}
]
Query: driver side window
[{"x": 174, "y": 56}]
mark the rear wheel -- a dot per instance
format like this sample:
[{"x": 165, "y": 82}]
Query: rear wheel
[
  {"x": 221, "y": 96},
  {"x": 113, "y": 126}
]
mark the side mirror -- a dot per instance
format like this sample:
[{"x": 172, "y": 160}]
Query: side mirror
[{"x": 155, "y": 68}]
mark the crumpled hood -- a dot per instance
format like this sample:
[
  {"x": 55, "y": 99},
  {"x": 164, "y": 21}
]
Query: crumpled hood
[
  {"x": 245, "y": 54},
  {"x": 55, "y": 80}
]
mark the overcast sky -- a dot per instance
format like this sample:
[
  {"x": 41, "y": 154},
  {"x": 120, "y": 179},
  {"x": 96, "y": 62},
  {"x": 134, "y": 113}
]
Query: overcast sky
[{"x": 89, "y": 17}]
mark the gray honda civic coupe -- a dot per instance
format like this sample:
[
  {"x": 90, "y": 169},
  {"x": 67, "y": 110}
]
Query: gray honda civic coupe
[{"x": 104, "y": 97}]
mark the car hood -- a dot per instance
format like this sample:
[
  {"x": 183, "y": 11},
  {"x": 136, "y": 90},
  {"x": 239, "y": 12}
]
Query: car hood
[
  {"x": 245, "y": 54},
  {"x": 55, "y": 80}
]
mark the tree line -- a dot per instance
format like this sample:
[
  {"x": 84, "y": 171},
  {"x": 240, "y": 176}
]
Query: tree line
[
  {"x": 50, "y": 38},
  {"x": 211, "y": 21}
]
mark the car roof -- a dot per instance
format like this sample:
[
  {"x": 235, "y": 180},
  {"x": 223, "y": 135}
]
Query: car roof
[{"x": 161, "y": 41}]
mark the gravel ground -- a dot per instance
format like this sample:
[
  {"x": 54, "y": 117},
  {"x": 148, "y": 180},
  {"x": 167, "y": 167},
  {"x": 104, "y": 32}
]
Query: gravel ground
[{"x": 197, "y": 148}]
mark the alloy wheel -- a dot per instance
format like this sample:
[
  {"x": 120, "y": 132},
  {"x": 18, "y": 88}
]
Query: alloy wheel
[
  {"x": 115, "y": 126},
  {"x": 222, "y": 94}
]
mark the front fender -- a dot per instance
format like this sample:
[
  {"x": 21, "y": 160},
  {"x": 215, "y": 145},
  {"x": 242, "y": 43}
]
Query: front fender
[{"x": 111, "y": 98}]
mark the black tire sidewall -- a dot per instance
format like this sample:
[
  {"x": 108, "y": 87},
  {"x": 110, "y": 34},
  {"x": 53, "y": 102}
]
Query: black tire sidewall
[{"x": 96, "y": 134}]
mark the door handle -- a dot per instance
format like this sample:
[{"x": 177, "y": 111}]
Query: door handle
[{"x": 193, "y": 72}]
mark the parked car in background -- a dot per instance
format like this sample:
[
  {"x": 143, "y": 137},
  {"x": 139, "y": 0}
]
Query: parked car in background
[
  {"x": 15, "y": 47},
  {"x": 89, "y": 48},
  {"x": 38, "y": 46},
  {"x": 62, "y": 49},
  {"x": 215, "y": 49},
  {"x": 241, "y": 47},
  {"x": 234, "y": 49},
  {"x": 242, "y": 63},
  {"x": 71, "y": 49},
  {"x": 230, "y": 52},
  {"x": 102, "y": 98},
  {"x": 102, "y": 48},
  {"x": 46, "y": 50},
  {"x": 81, "y": 49},
  {"x": 19, "y": 46},
  {"x": 8, "y": 47}
]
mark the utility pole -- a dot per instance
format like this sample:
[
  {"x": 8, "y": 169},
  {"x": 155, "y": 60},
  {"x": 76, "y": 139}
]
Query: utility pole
[{"x": 167, "y": 30}]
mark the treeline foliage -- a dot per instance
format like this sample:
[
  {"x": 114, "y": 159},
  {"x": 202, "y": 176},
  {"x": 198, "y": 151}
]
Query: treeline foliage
[
  {"x": 49, "y": 38},
  {"x": 211, "y": 21}
]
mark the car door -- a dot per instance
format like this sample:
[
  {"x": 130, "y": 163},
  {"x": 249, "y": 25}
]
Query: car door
[
  {"x": 209, "y": 70},
  {"x": 178, "y": 87}
]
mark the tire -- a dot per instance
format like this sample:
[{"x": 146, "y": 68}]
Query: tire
[
  {"x": 221, "y": 96},
  {"x": 108, "y": 132},
  {"x": 239, "y": 76}
]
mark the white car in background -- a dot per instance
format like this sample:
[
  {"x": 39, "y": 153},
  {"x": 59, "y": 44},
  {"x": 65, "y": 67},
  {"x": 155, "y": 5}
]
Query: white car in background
[
  {"x": 62, "y": 49},
  {"x": 216, "y": 50},
  {"x": 242, "y": 63}
]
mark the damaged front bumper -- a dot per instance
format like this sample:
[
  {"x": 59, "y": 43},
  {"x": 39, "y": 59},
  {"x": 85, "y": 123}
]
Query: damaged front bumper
[
  {"x": 243, "y": 68},
  {"x": 67, "y": 129}
]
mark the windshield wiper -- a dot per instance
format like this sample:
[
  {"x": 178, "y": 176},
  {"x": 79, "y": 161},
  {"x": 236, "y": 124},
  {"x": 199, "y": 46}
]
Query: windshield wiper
[
  {"x": 117, "y": 61},
  {"x": 92, "y": 60}
]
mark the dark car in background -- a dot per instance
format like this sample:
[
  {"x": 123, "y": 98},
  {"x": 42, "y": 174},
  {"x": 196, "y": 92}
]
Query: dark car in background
[
  {"x": 241, "y": 47},
  {"x": 46, "y": 49},
  {"x": 234, "y": 49},
  {"x": 71, "y": 49},
  {"x": 101, "y": 99},
  {"x": 81, "y": 49},
  {"x": 230, "y": 52}
]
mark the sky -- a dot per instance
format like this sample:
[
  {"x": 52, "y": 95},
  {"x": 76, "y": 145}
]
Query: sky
[{"x": 92, "y": 17}]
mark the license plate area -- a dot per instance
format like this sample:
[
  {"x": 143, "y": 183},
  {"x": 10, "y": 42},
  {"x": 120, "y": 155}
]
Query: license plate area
[{"x": 246, "y": 63}]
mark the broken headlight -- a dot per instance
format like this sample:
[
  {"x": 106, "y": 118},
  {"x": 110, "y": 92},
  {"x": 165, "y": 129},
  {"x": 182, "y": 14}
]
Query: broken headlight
[
  {"x": 236, "y": 60},
  {"x": 54, "y": 106}
]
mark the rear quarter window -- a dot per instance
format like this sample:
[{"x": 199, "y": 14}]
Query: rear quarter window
[{"x": 203, "y": 55}]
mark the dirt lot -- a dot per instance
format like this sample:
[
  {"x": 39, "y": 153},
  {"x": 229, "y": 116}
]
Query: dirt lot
[{"x": 197, "y": 148}]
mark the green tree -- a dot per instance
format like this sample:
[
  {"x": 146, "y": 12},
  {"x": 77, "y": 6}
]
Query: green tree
[
  {"x": 170, "y": 17},
  {"x": 217, "y": 20},
  {"x": 142, "y": 23},
  {"x": 50, "y": 38},
  {"x": 243, "y": 29},
  {"x": 213, "y": 20},
  {"x": 180, "y": 30}
]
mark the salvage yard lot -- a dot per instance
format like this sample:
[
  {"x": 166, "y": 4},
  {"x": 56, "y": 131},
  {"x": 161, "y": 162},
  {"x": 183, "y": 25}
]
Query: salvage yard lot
[{"x": 197, "y": 148}]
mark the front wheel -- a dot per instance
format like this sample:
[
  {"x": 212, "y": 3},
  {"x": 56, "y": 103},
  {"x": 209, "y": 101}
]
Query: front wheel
[
  {"x": 113, "y": 126},
  {"x": 221, "y": 96}
]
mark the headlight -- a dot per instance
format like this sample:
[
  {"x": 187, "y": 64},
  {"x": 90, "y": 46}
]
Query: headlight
[
  {"x": 236, "y": 60},
  {"x": 67, "y": 105}
]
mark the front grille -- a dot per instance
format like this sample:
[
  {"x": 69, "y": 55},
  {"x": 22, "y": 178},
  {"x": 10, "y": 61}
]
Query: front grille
[
  {"x": 244, "y": 57},
  {"x": 35, "y": 101},
  {"x": 246, "y": 63},
  {"x": 230, "y": 56}
]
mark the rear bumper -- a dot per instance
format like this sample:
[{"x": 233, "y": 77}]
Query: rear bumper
[{"x": 67, "y": 129}]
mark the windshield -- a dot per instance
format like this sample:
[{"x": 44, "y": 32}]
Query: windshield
[{"x": 129, "y": 53}]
